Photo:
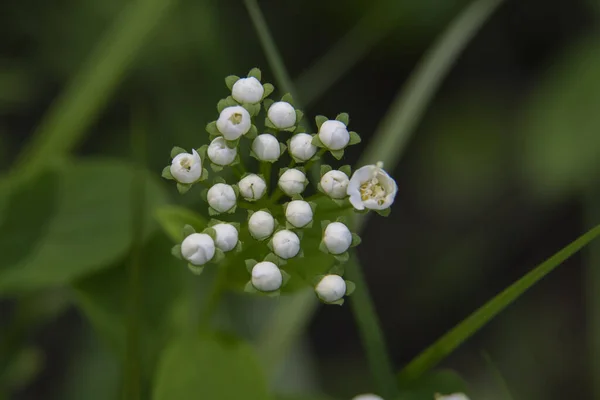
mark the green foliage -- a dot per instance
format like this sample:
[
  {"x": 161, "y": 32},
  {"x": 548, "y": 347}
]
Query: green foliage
[{"x": 442, "y": 381}]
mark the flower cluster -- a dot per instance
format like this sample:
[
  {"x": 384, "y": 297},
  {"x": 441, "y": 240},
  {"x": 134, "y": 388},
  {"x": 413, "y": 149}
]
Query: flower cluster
[{"x": 278, "y": 225}]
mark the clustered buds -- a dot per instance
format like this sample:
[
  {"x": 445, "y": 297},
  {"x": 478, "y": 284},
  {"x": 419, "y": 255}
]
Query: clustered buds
[{"x": 278, "y": 227}]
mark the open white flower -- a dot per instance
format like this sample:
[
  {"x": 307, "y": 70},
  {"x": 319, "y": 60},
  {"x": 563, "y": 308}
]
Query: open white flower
[
  {"x": 286, "y": 244},
  {"x": 198, "y": 248},
  {"x": 298, "y": 213},
  {"x": 219, "y": 153},
  {"x": 266, "y": 276},
  {"x": 282, "y": 115},
  {"x": 234, "y": 122},
  {"x": 372, "y": 188},
  {"x": 266, "y": 147},
  {"x": 337, "y": 238},
  {"x": 368, "y": 396},
  {"x": 334, "y": 134},
  {"x": 252, "y": 187},
  {"x": 331, "y": 288},
  {"x": 335, "y": 183},
  {"x": 221, "y": 197},
  {"x": 227, "y": 236},
  {"x": 301, "y": 147},
  {"x": 455, "y": 396},
  {"x": 247, "y": 90},
  {"x": 292, "y": 181},
  {"x": 261, "y": 225},
  {"x": 186, "y": 168}
]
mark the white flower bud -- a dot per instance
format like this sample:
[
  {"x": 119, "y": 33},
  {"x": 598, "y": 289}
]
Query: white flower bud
[
  {"x": 337, "y": 238},
  {"x": 266, "y": 147},
  {"x": 219, "y": 153},
  {"x": 286, "y": 244},
  {"x": 335, "y": 183},
  {"x": 252, "y": 187},
  {"x": 247, "y": 90},
  {"x": 198, "y": 248},
  {"x": 301, "y": 147},
  {"x": 372, "y": 188},
  {"x": 334, "y": 134},
  {"x": 282, "y": 115},
  {"x": 227, "y": 236},
  {"x": 186, "y": 168},
  {"x": 292, "y": 182},
  {"x": 234, "y": 122},
  {"x": 331, "y": 288},
  {"x": 298, "y": 213},
  {"x": 455, "y": 396},
  {"x": 368, "y": 396},
  {"x": 261, "y": 225},
  {"x": 266, "y": 276},
  {"x": 221, "y": 197}
]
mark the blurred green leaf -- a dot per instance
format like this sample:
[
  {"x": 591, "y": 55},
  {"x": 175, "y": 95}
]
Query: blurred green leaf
[
  {"x": 442, "y": 382},
  {"x": 70, "y": 223},
  {"x": 173, "y": 219},
  {"x": 23, "y": 369},
  {"x": 209, "y": 368}
]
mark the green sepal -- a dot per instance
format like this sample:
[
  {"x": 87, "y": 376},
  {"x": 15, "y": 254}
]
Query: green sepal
[
  {"x": 196, "y": 269},
  {"x": 270, "y": 244},
  {"x": 250, "y": 263},
  {"x": 313, "y": 206},
  {"x": 307, "y": 226},
  {"x": 337, "y": 154},
  {"x": 221, "y": 105},
  {"x": 300, "y": 235},
  {"x": 255, "y": 73},
  {"x": 231, "y": 210},
  {"x": 267, "y": 103},
  {"x": 269, "y": 88},
  {"x": 290, "y": 129},
  {"x": 215, "y": 167},
  {"x": 323, "y": 247},
  {"x": 274, "y": 293},
  {"x": 325, "y": 169},
  {"x": 252, "y": 133},
  {"x": 354, "y": 138},
  {"x": 320, "y": 188},
  {"x": 239, "y": 247},
  {"x": 343, "y": 118},
  {"x": 250, "y": 212},
  {"x": 350, "y": 287},
  {"x": 299, "y": 116},
  {"x": 272, "y": 257},
  {"x": 236, "y": 225},
  {"x": 300, "y": 254},
  {"x": 320, "y": 119},
  {"x": 210, "y": 232},
  {"x": 176, "y": 251},
  {"x": 182, "y": 188},
  {"x": 232, "y": 144},
  {"x": 289, "y": 226},
  {"x": 253, "y": 109},
  {"x": 316, "y": 141},
  {"x": 315, "y": 280},
  {"x": 269, "y": 124},
  {"x": 166, "y": 173},
  {"x": 340, "y": 202},
  {"x": 346, "y": 169},
  {"x": 282, "y": 148},
  {"x": 281, "y": 171},
  {"x": 212, "y": 211},
  {"x": 337, "y": 302},
  {"x": 177, "y": 150},
  {"x": 211, "y": 128},
  {"x": 219, "y": 179},
  {"x": 218, "y": 257},
  {"x": 230, "y": 101},
  {"x": 214, "y": 221},
  {"x": 236, "y": 190},
  {"x": 202, "y": 152},
  {"x": 342, "y": 219},
  {"x": 384, "y": 212},
  {"x": 355, "y": 240},
  {"x": 286, "y": 277},
  {"x": 297, "y": 196},
  {"x": 337, "y": 269},
  {"x": 285, "y": 205},
  {"x": 231, "y": 80},
  {"x": 324, "y": 224},
  {"x": 343, "y": 257},
  {"x": 204, "y": 195},
  {"x": 187, "y": 230},
  {"x": 249, "y": 288},
  {"x": 236, "y": 160},
  {"x": 288, "y": 98},
  {"x": 204, "y": 175}
]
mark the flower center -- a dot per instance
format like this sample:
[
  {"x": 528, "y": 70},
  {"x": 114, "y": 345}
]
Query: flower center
[
  {"x": 186, "y": 163},
  {"x": 373, "y": 190},
  {"x": 236, "y": 118}
]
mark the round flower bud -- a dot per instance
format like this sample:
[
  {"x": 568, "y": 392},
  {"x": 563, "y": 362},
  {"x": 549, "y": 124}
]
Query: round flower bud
[
  {"x": 292, "y": 182},
  {"x": 282, "y": 115},
  {"x": 334, "y": 134},
  {"x": 198, "y": 248},
  {"x": 372, "y": 188},
  {"x": 286, "y": 244},
  {"x": 186, "y": 168},
  {"x": 234, "y": 122},
  {"x": 227, "y": 236},
  {"x": 221, "y": 197},
  {"x": 266, "y": 276},
  {"x": 247, "y": 90},
  {"x": 335, "y": 183},
  {"x": 219, "y": 153},
  {"x": 331, "y": 288},
  {"x": 252, "y": 187},
  {"x": 368, "y": 396},
  {"x": 301, "y": 147},
  {"x": 266, "y": 147},
  {"x": 261, "y": 225},
  {"x": 298, "y": 213},
  {"x": 337, "y": 238}
]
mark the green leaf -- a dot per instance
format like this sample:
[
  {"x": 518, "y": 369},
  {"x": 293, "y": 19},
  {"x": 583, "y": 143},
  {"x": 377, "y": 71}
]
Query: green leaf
[
  {"x": 337, "y": 154},
  {"x": 354, "y": 138},
  {"x": 299, "y": 116},
  {"x": 320, "y": 119},
  {"x": 166, "y": 172},
  {"x": 177, "y": 150},
  {"x": 231, "y": 80},
  {"x": 195, "y": 269},
  {"x": 342, "y": 257},
  {"x": 188, "y": 230},
  {"x": 288, "y": 98},
  {"x": 267, "y": 103},
  {"x": 325, "y": 169},
  {"x": 255, "y": 72},
  {"x": 384, "y": 212},
  {"x": 176, "y": 251},
  {"x": 346, "y": 169},
  {"x": 355, "y": 240},
  {"x": 316, "y": 141},
  {"x": 343, "y": 118},
  {"x": 221, "y": 105},
  {"x": 268, "y": 90},
  {"x": 183, "y": 188},
  {"x": 350, "y": 287},
  {"x": 209, "y": 368},
  {"x": 211, "y": 128},
  {"x": 68, "y": 223},
  {"x": 216, "y": 168},
  {"x": 173, "y": 218},
  {"x": 439, "y": 350}
]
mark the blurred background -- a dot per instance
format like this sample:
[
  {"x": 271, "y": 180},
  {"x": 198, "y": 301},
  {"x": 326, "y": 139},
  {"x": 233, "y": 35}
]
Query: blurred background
[{"x": 502, "y": 171}]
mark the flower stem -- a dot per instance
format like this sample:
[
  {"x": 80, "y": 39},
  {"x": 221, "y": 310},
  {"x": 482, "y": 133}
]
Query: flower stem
[
  {"x": 265, "y": 170},
  {"x": 310, "y": 163}
]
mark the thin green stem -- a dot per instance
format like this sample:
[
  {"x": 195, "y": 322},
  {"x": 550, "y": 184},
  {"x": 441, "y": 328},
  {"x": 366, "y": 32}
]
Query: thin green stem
[
  {"x": 265, "y": 170},
  {"x": 277, "y": 194},
  {"x": 310, "y": 163}
]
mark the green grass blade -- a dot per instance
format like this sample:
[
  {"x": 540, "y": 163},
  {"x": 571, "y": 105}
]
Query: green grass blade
[
  {"x": 407, "y": 109},
  {"x": 457, "y": 335},
  {"x": 76, "y": 108}
]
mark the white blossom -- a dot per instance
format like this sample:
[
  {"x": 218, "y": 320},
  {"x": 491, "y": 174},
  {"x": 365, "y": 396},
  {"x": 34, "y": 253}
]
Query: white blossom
[
  {"x": 252, "y": 187},
  {"x": 219, "y": 153},
  {"x": 368, "y": 396},
  {"x": 247, "y": 90},
  {"x": 282, "y": 115},
  {"x": 266, "y": 276},
  {"x": 334, "y": 134},
  {"x": 455, "y": 396},
  {"x": 337, "y": 238},
  {"x": 335, "y": 183},
  {"x": 266, "y": 147},
  {"x": 372, "y": 188},
  {"x": 227, "y": 236},
  {"x": 221, "y": 197},
  {"x": 198, "y": 248},
  {"x": 331, "y": 288},
  {"x": 301, "y": 147},
  {"x": 286, "y": 244},
  {"x": 292, "y": 181},
  {"x": 186, "y": 168},
  {"x": 234, "y": 122},
  {"x": 261, "y": 225},
  {"x": 298, "y": 213}
]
